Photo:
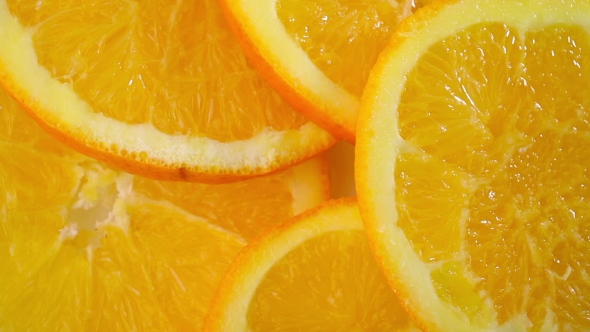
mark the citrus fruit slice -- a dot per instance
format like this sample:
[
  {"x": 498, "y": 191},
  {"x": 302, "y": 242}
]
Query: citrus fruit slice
[
  {"x": 84, "y": 247},
  {"x": 472, "y": 166},
  {"x": 317, "y": 54},
  {"x": 160, "y": 90},
  {"x": 313, "y": 273}
]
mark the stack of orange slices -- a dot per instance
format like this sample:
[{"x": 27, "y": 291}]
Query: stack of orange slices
[
  {"x": 174, "y": 166},
  {"x": 84, "y": 246}
]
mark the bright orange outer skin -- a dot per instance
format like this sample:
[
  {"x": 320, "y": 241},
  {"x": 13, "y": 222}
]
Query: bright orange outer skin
[{"x": 285, "y": 88}]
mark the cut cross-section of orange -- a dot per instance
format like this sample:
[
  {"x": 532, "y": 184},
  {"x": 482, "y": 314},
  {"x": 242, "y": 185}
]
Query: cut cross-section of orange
[
  {"x": 473, "y": 172},
  {"x": 158, "y": 89},
  {"x": 84, "y": 247},
  {"x": 313, "y": 273},
  {"x": 318, "y": 54}
]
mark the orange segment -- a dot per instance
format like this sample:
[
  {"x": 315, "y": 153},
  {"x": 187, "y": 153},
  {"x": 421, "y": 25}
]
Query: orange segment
[
  {"x": 164, "y": 283},
  {"x": 484, "y": 123},
  {"x": 295, "y": 189},
  {"x": 87, "y": 247},
  {"x": 318, "y": 54},
  {"x": 56, "y": 294},
  {"x": 159, "y": 90},
  {"x": 313, "y": 272}
]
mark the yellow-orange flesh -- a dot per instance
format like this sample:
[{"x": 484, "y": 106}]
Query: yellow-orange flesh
[
  {"x": 343, "y": 38},
  {"x": 244, "y": 208},
  {"x": 495, "y": 171},
  {"x": 84, "y": 247},
  {"x": 172, "y": 65},
  {"x": 328, "y": 283},
  {"x": 80, "y": 249}
]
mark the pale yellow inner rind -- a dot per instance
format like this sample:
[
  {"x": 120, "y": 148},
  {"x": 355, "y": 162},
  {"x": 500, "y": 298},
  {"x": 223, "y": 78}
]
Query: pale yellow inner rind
[{"x": 287, "y": 57}]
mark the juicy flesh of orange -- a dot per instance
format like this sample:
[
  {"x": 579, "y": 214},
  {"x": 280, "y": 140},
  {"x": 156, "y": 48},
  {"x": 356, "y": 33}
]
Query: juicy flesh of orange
[
  {"x": 343, "y": 38},
  {"x": 262, "y": 201},
  {"x": 328, "y": 283},
  {"x": 85, "y": 247},
  {"x": 171, "y": 64},
  {"x": 493, "y": 181}
]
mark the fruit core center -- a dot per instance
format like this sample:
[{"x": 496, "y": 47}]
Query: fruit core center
[{"x": 95, "y": 207}]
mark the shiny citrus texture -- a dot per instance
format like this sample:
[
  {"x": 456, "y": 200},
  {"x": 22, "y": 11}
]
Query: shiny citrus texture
[
  {"x": 84, "y": 247},
  {"x": 315, "y": 272},
  {"x": 318, "y": 54},
  {"x": 472, "y": 165},
  {"x": 161, "y": 90}
]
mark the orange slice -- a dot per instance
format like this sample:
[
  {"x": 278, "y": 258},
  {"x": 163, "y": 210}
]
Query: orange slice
[
  {"x": 472, "y": 165},
  {"x": 160, "y": 90},
  {"x": 315, "y": 272},
  {"x": 318, "y": 54},
  {"x": 84, "y": 247}
]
